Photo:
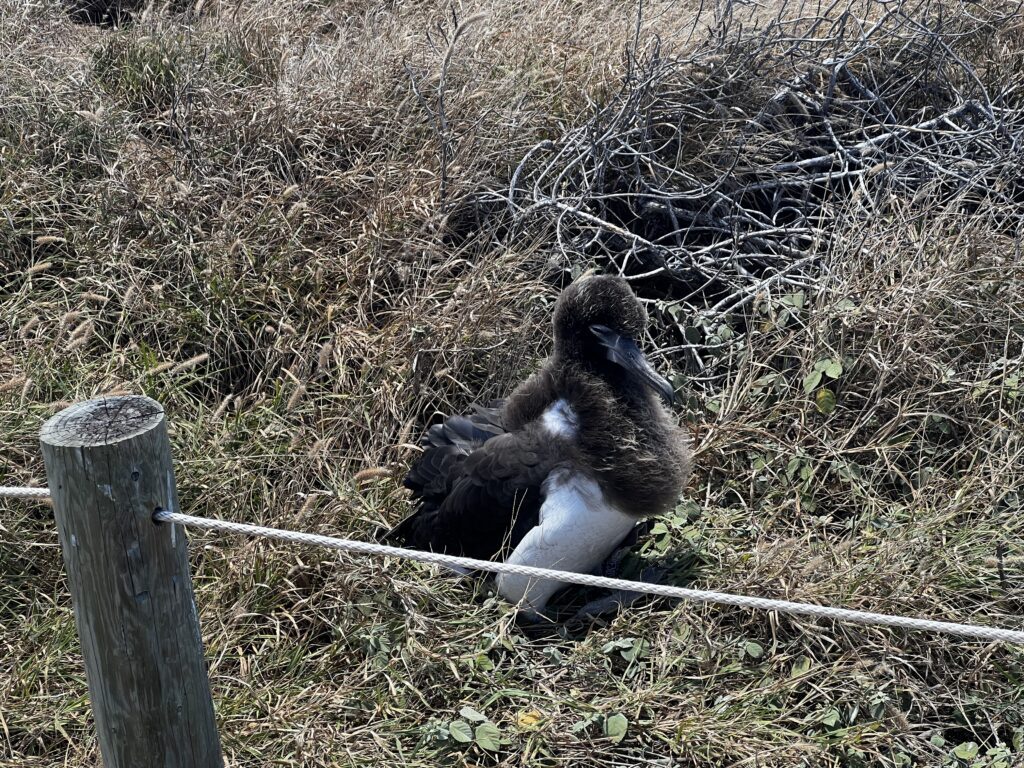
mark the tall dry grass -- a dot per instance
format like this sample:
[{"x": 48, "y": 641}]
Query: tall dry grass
[{"x": 266, "y": 216}]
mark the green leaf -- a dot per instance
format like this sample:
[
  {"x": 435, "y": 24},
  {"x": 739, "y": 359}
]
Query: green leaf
[
  {"x": 830, "y": 717},
  {"x": 488, "y": 737},
  {"x": 1000, "y": 756},
  {"x": 753, "y": 650},
  {"x": 800, "y": 667},
  {"x": 638, "y": 650},
  {"x": 792, "y": 466},
  {"x": 834, "y": 369},
  {"x": 794, "y": 299},
  {"x": 615, "y": 727},
  {"x": 460, "y": 731},
  {"x": 617, "y": 645},
  {"x": 472, "y": 715},
  {"x": 966, "y": 751},
  {"x": 825, "y": 401},
  {"x": 811, "y": 380},
  {"x": 937, "y": 741},
  {"x": 658, "y": 529}
]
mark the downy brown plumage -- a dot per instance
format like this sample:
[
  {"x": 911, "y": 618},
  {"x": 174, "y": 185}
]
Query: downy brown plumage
[{"x": 593, "y": 411}]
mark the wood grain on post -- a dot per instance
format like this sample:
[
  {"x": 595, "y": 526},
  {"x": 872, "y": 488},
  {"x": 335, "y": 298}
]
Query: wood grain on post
[{"x": 108, "y": 463}]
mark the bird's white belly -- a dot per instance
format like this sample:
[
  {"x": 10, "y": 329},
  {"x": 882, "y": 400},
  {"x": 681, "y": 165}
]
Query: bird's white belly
[{"x": 578, "y": 529}]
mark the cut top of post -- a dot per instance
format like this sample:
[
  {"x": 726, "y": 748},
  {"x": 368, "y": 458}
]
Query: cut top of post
[{"x": 103, "y": 421}]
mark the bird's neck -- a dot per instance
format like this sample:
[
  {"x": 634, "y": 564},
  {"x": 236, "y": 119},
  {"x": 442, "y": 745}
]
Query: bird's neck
[
  {"x": 600, "y": 395},
  {"x": 605, "y": 393},
  {"x": 603, "y": 376}
]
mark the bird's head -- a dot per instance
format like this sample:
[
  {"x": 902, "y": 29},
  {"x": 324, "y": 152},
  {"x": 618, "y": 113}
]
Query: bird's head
[{"x": 599, "y": 323}]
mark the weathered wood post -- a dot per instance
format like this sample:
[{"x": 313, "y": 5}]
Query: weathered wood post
[{"x": 108, "y": 463}]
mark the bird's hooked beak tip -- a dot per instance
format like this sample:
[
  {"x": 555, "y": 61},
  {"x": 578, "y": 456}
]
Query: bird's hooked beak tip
[{"x": 625, "y": 352}]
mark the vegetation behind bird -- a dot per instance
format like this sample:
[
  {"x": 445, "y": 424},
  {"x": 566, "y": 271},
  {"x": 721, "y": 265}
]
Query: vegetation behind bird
[{"x": 309, "y": 229}]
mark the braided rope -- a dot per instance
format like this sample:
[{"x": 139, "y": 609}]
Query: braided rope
[
  {"x": 584, "y": 579},
  {"x": 24, "y": 493}
]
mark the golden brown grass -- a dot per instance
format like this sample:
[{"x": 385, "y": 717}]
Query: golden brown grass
[{"x": 247, "y": 214}]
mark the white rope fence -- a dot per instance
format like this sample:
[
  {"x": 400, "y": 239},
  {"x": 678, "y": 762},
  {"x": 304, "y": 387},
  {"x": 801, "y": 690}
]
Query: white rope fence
[
  {"x": 584, "y": 579},
  {"x": 24, "y": 493}
]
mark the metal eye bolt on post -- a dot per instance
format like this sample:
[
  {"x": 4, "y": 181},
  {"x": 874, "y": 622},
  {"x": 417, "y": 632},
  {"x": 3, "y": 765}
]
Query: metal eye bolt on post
[{"x": 108, "y": 464}]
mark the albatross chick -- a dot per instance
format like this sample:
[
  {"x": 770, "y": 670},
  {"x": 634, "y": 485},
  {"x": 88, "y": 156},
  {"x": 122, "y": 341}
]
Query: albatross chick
[{"x": 558, "y": 474}]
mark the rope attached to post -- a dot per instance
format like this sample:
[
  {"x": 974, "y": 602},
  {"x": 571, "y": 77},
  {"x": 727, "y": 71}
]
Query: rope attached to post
[
  {"x": 589, "y": 580},
  {"x": 584, "y": 579}
]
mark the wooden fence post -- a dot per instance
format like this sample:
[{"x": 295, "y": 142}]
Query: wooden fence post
[{"x": 108, "y": 464}]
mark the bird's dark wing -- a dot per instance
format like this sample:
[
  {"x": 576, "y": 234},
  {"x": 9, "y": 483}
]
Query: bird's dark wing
[
  {"x": 446, "y": 446},
  {"x": 478, "y": 488}
]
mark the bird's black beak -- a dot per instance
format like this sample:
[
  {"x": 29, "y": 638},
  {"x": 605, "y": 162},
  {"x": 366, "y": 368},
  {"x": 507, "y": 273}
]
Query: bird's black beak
[{"x": 623, "y": 351}]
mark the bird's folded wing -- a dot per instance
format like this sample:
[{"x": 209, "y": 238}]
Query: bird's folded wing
[{"x": 479, "y": 503}]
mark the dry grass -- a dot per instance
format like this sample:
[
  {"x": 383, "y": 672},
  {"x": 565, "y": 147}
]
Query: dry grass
[{"x": 258, "y": 215}]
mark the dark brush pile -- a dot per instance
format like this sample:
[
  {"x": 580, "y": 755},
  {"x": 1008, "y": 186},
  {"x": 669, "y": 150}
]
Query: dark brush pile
[{"x": 725, "y": 176}]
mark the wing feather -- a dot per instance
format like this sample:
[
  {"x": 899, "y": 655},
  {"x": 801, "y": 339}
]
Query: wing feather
[{"x": 479, "y": 488}]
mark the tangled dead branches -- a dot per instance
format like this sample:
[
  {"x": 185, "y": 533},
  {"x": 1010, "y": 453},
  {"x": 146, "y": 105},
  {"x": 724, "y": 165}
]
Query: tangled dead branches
[{"x": 731, "y": 174}]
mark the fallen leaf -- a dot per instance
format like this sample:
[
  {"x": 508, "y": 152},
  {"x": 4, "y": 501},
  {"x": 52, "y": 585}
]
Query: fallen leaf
[{"x": 615, "y": 727}]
